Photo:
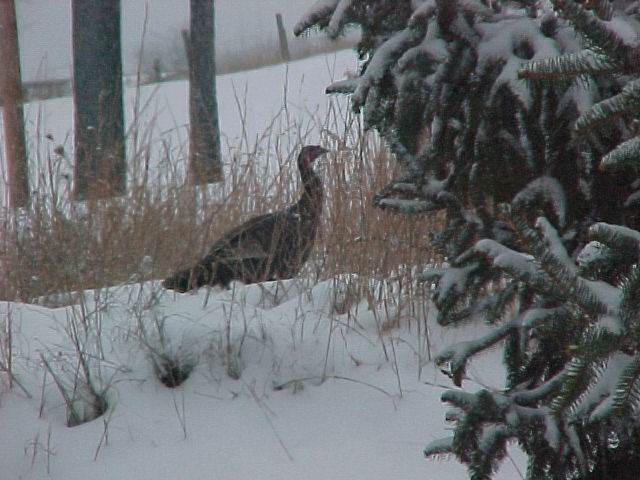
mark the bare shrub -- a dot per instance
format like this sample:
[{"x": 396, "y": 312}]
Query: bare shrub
[{"x": 78, "y": 368}]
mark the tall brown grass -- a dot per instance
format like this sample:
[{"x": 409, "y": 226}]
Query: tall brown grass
[{"x": 164, "y": 224}]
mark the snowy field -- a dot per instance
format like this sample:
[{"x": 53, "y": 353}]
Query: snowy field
[
  {"x": 286, "y": 102},
  {"x": 289, "y": 381}
]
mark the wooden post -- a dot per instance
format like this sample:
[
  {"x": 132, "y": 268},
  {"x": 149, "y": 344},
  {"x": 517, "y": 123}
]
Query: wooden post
[
  {"x": 12, "y": 114},
  {"x": 205, "y": 160},
  {"x": 100, "y": 164},
  {"x": 282, "y": 37}
]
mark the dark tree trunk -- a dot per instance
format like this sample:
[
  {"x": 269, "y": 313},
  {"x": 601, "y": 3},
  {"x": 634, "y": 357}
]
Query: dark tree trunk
[
  {"x": 205, "y": 164},
  {"x": 12, "y": 114},
  {"x": 100, "y": 165}
]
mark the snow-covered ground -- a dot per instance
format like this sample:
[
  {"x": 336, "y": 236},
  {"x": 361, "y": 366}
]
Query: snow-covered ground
[{"x": 319, "y": 394}]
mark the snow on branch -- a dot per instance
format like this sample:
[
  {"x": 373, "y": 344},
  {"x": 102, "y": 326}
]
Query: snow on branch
[
  {"x": 544, "y": 189},
  {"x": 452, "y": 284},
  {"x": 519, "y": 265},
  {"x": 625, "y": 154},
  {"x": 554, "y": 242},
  {"x": 337, "y": 19},
  {"x": 439, "y": 447},
  {"x": 383, "y": 60},
  {"x": 458, "y": 354},
  {"x": 568, "y": 66},
  {"x": 408, "y": 206},
  {"x": 404, "y": 195},
  {"x": 596, "y": 32},
  {"x": 627, "y": 101},
  {"x": 512, "y": 42},
  {"x": 594, "y": 298},
  {"x": 346, "y": 86},
  {"x": 616, "y": 236},
  {"x": 544, "y": 390},
  {"x": 319, "y": 13},
  {"x": 423, "y": 13}
]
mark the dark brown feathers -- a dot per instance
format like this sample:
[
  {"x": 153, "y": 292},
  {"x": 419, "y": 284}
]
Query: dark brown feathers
[{"x": 267, "y": 247}]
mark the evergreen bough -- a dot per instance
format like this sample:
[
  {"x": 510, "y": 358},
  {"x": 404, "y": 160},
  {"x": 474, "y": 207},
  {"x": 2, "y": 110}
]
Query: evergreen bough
[{"x": 522, "y": 125}]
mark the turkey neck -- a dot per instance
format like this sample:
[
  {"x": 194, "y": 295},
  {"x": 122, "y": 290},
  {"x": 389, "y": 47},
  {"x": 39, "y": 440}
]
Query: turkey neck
[{"x": 310, "y": 202}]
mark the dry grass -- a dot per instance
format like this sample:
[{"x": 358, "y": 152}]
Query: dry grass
[{"x": 165, "y": 224}]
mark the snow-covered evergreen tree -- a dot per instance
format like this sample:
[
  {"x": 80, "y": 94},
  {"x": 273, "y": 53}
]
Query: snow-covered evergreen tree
[{"x": 534, "y": 173}]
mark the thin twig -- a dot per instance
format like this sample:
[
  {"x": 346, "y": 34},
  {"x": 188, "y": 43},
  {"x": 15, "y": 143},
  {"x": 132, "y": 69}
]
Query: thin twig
[{"x": 266, "y": 416}]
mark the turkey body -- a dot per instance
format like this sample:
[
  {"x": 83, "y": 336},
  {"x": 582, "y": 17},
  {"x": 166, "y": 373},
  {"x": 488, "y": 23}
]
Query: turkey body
[{"x": 267, "y": 247}]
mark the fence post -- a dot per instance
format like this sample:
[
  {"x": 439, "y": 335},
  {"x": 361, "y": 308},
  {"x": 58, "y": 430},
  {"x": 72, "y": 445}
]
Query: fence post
[
  {"x": 12, "y": 113},
  {"x": 205, "y": 159},
  {"x": 100, "y": 164},
  {"x": 282, "y": 36}
]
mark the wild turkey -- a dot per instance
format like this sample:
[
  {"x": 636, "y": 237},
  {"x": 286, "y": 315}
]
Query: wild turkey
[{"x": 267, "y": 247}]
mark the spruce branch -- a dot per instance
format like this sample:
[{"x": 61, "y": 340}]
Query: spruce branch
[
  {"x": 576, "y": 383},
  {"x": 630, "y": 303},
  {"x": 616, "y": 237},
  {"x": 626, "y": 398},
  {"x": 318, "y": 14},
  {"x": 458, "y": 354},
  {"x": 585, "y": 371},
  {"x": 525, "y": 396},
  {"x": 569, "y": 66},
  {"x": 599, "y": 37},
  {"x": 338, "y": 18},
  {"x": 625, "y": 154},
  {"x": 492, "y": 449},
  {"x": 626, "y": 102},
  {"x": 382, "y": 61},
  {"x": 602, "y": 8},
  {"x": 439, "y": 447},
  {"x": 554, "y": 261}
]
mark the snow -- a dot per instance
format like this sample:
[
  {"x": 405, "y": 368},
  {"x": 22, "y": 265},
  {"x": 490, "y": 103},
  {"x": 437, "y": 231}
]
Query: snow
[
  {"x": 317, "y": 10},
  {"x": 546, "y": 188},
  {"x": 497, "y": 45},
  {"x": 520, "y": 264},
  {"x": 343, "y": 410},
  {"x": 591, "y": 252}
]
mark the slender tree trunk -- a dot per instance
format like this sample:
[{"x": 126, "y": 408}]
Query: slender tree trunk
[
  {"x": 100, "y": 165},
  {"x": 12, "y": 115},
  {"x": 205, "y": 163}
]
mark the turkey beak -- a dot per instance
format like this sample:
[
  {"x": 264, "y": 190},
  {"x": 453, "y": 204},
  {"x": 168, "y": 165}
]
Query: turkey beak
[{"x": 321, "y": 159}]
